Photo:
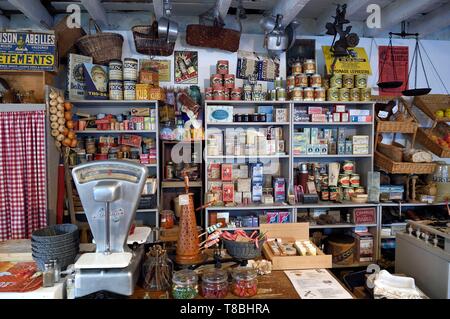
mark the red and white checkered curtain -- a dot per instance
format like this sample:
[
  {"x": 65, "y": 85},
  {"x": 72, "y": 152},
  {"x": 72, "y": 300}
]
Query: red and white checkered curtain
[{"x": 23, "y": 195}]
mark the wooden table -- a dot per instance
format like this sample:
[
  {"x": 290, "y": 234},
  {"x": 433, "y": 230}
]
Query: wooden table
[{"x": 272, "y": 286}]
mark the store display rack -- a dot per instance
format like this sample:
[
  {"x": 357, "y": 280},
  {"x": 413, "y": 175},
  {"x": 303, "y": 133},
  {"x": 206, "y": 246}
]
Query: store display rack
[{"x": 94, "y": 107}]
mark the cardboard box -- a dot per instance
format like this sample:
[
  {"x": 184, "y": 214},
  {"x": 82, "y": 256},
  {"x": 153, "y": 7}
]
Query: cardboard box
[
  {"x": 228, "y": 192},
  {"x": 290, "y": 232},
  {"x": 244, "y": 185},
  {"x": 227, "y": 172},
  {"x": 364, "y": 247},
  {"x": 219, "y": 113}
]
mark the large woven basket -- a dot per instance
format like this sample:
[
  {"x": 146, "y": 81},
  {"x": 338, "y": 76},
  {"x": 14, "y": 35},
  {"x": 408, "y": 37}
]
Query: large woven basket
[
  {"x": 423, "y": 137},
  {"x": 213, "y": 37},
  {"x": 102, "y": 46},
  {"x": 387, "y": 164},
  {"x": 243, "y": 250},
  {"x": 394, "y": 152},
  {"x": 147, "y": 42},
  {"x": 431, "y": 103}
]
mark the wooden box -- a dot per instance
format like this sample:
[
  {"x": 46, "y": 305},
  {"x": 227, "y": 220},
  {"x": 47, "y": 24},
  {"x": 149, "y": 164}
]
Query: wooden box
[
  {"x": 147, "y": 92},
  {"x": 291, "y": 232}
]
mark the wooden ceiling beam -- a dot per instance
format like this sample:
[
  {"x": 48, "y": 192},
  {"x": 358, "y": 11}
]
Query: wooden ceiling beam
[{"x": 35, "y": 11}]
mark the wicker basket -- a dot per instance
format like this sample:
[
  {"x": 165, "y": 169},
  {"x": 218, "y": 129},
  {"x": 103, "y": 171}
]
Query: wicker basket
[
  {"x": 102, "y": 46},
  {"x": 423, "y": 138},
  {"x": 213, "y": 37},
  {"x": 431, "y": 103},
  {"x": 388, "y": 165},
  {"x": 394, "y": 151},
  {"x": 147, "y": 42},
  {"x": 406, "y": 127},
  {"x": 243, "y": 250}
]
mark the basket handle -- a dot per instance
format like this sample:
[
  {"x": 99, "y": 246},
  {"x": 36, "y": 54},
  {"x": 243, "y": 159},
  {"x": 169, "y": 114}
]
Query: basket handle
[{"x": 97, "y": 27}]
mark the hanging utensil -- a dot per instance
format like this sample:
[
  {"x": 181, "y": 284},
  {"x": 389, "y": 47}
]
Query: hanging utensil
[
  {"x": 167, "y": 29},
  {"x": 415, "y": 61},
  {"x": 394, "y": 83}
]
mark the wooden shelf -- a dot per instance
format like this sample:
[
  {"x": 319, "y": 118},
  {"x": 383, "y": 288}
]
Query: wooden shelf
[
  {"x": 340, "y": 226},
  {"x": 335, "y": 205},
  {"x": 248, "y": 124},
  {"x": 238, "y": 228},
  {"x": 179, "y": 184},
  {"x": 244, "y": 156},
  {"x": 333, "y": 156},
  {"x": 331, "y": 123},
  {"x": 123, "y": 103},
  {"x": 250, "y": 207},
  {"x": 115, "y": 131}
]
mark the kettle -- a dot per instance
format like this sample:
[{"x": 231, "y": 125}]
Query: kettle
[{"x": 279, "y": 39}]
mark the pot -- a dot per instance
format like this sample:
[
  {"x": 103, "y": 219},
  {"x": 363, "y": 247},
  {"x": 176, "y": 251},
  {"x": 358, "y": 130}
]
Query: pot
[{"x": 167, "y": 29}]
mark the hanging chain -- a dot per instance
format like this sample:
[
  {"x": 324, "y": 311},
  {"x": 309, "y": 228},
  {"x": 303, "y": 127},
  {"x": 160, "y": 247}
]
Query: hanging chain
[{"x": 434, "y": 68}]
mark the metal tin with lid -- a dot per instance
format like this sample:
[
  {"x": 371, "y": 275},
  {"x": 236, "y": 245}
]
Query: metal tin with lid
[
  {"x": 115, "y": 70},
  {"x": 297, "y": 68},
  {"x": 297, "y": 94},
  {"x": 129, "y": 90},
  {"x": 308, "y": 94},
  {"x": 319, "y": 94},
  {"x": 336, "y": 81},
  {"x": 333, "y": 94},
  {"x": 348, "y": 81},
  {"x": 301, "y": 80},
  {"x": 315, "y": 80},
  {"x": 355, "y": 94},
  {"x": 222, "y": 67},
  {"x": 115, "y": 90},
  {"x": 361, "y": 81},
  {"x": 309, "y": 66},
  {"x": 344, "y": 94},
  {"x": 130, "y": 69}
]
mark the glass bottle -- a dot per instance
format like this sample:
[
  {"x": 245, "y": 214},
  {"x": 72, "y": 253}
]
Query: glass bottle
[
  {"x": 70, "y": 287},
  {"x": 244, "y": 283},
  {"x": 185, "y": 284},
  {"x": 214, "y": 284},
  {"x": 57, "y": 269},
  {"x": 48, "y": 275},
  {"x": 179, "y": 131}
]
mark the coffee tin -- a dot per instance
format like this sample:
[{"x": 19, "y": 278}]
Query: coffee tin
[
  {"x": 344, "y": 94},
  {"x": 290, "y": 82},
  {"x": 297, "y": 94},
  {"x": 361, "y": 81},
  {"x": 365, "y": 94},
  {"x": 319, "y": 94},
  {"x": 301, "y": 80},
  {"x": 236, "y": 94},
  {"x": 222, "y": 67},
  {"x": 333, "y": 94},
  {"x": 355, "y": 94},
  {"x": 348, "y": 81},
  {"x": 129, "y": 90},
  {"x": 115, "y": 90},
  {"x": 228, "y": 80},
  {"x": 336, "y": 81},
  {"x": 315, "y": 80},
  {"x": 308, "y": 94},
  {"x": 359, "y": 190},
  {"x": 344, "y": 180},
  {"x": 348, "y": 167},
  {"x": 208, "y": 94},
  {"x": 297, "y": 68},
  {"x": 130, "y": 69},
  {"x": 309, "y": 66},
  {"x": 226, "y": 94},
  {"x": 115, "y": 68},
  {"x": 354, "y": 180},
  {"x": 219, "y": 93},
  {"x": 216, "y": 81}
]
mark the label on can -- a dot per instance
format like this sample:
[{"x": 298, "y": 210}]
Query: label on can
[
  {"x": 222, "y": 67},
  {"x": 301, "y": 80},
  {"x": 216, "y": 81},
  {"x": 226, "y": 94},
  {"x": 348, "y": 81},
  {"x": 365, "y": 94},
  {"x": 361, "y": 81},
  {"x": 354, "y": 94},
  {"x": 297, "y": 94},
  {"x": 130, "y": 67},
  {"x": 115, "y": 90},
  {"x": 316, "y": 80},
  {"x": 348, "y": 167},
  {"x": 297, "y": 68},
  {"x": 336, "y": 81},
  {"x": 344, "y": 94},
  {"x": 208, "y": 93},
  {"x": 344, "y": 180},
  {"x": 218, "y": 94},
  {"x": 319, "y": 94},
  {"x": 236, "y": 94},
  {"x": 333, "y": 94},
  {"x": 354, "y": 180},
  {"x": 115, "y": 70},
  {"x": 308, "y": 94},
  {"x": 229, "y": 81},
  {"x": 290, "y": 82},
  {"x": 129, "y": 90},
  {"x": 309, "y": 66}
]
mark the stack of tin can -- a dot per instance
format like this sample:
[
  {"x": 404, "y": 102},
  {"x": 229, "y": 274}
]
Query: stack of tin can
[
  {"x": 223, "y": 84},
  {"x": 122, "y": 79},
  {"x": 304, "y": 83},
  {"x": 348, "y": 87}
]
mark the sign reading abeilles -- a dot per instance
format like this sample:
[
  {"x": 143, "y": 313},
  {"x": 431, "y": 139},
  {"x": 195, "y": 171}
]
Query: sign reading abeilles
[
  {"x": 27, "y": 51},
  {"x": 357, "y": 63}
]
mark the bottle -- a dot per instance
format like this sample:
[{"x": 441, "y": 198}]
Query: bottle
[
  {"x": 303, "y": 176},
  {"x": 290, "y": 193},
  {"x": 57, "y": 269},
  {"x": 179, "y": 131},
  {"x": 70, "y": 287},
  {"x": 48, "y": 275}
]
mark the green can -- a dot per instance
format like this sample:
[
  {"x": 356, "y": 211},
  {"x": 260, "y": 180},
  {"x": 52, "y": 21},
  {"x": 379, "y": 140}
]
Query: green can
[
  {"x": 355, "y": 94},
  {"x": 348, "y": 81},
  {"x": 333, "y": 94},
  {"x": 336, "y": 81},
  {"x": 361, "y": 81},
  {"x": 365, "y": 94},
  {"x": 344, "y": 94}
]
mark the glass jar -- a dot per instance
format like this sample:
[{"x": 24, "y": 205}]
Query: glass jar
[
  {"x": 244, "y": 283},
  {"x": 179, "y": 131},
  {"x": 157, "y": 270},
  {"x": 167, "y": 219},
  {"x": 185, "y": 284},
  {"x": 48, "y": 275},
  {"x": 214, "y": 284}
]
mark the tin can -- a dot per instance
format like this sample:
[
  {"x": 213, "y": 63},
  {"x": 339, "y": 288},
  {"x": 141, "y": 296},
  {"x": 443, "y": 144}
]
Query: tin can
[
  {"x": 228, "y": 80},
  {"x": 297, "y": 94},
  {"x": 273, "y": 95},
  {"x": 359, "y": 190},
  {"x": 365, "y": 94},
  {"x": 208, "y": 94},
  {"x": 354, "y": 94},
  {"x": 216, "y": 81},
  {"x": 115, "y": 90},
  {"x": 348, "y": 81},
  {"x": 344, "y": 180},
  {"x": 129, "y": 90},
  {"x": 290, "y": 82},
  {"x": 115, "y": 70},
  {"x": 130, "y": 69},
  {"x": 218, "y": 93},
  {"x": 344, "y": 94},
  {"x": 309, "y": 66},
  {"x": 247, "y": 92},
  {"x": 308, "y": 94},
  {"x": 222, "y": 67},
  {"x": 333, "y": 192},
  {"x": 348, "y": 167},
  {"x": 236, "y": 94},
  {"x": 350, "y": 191},
  {"x": 336, "y": 81},
  {"x": 170, "y": 170},
  {"x": 333, "y": 94},
  {"x": 281, "y": 94},
  {"x": 226, "y": 94},
  {"x": 361, "y": 81},
  {"x": 325, "y": 194},
  {"x": 297, "y": 68},
  {"x": 301, "y": 80},
  {"x": 315, "y": 80},
  {"x": 346, "y": 193},
  {"x": 319, "y": 94},
  {"x": 354, "y": 180},
  {"x": 278, "y": 83}
]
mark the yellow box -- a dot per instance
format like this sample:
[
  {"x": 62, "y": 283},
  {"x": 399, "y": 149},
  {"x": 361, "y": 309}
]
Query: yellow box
[{"x": 147, "y": 92}]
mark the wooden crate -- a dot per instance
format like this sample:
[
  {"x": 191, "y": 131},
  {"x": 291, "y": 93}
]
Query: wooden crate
[
  {"x": 291, "y": 232},
  {"x": 29, "y": 80},
  {"x": 388, "y": 165},
  {"x": 431, "y": 103}
]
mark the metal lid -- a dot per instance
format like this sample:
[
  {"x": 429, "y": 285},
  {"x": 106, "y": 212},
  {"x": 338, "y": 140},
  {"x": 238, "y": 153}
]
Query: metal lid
[
  {"x": 185, "y": 276},
  {"x": 215, "y": 276},
  {"x": 244, "y": 273}
]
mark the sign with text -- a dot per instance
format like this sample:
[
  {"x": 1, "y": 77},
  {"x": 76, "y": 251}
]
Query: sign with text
[
  {"x": 27, "y": 51},
  {"x": 357, "y": 63}
]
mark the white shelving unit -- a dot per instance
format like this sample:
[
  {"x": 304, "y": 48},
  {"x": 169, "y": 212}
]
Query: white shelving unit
[{"x": 117, "y": 107}]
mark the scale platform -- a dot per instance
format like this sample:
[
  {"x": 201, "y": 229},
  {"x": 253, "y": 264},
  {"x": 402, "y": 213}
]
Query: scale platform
[{"x": 99, "y": 260}]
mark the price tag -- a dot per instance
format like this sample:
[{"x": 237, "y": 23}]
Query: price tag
[{"x": 183, "y": 200}]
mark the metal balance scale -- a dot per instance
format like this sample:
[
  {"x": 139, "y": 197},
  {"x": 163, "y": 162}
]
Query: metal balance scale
[{"x": 110, "y": 192}]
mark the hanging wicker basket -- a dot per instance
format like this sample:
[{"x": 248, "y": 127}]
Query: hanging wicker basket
[
  {"x": 147, "y": 41},
  {"x": 102, "y": 46}
]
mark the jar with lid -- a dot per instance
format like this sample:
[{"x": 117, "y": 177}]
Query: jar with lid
[
  {"x": 214, "y": 284},
  {"x": 167, "y": 219},
  {"x": 244, "y": 283},
  {"x": 48, "y": 275},
  {"x": 184, "y": 284}
]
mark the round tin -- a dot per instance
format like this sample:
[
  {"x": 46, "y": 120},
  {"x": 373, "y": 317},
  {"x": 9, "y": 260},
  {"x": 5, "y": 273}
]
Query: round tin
[
  {"x": 336, "y": 81},
  {"x": 226, "y": 94},
  {"x": 348, "y": 167},
  {"x": 361, "y": 81},
  {"x": 216, "y": 81},
  {"x": 236, "y": 94},
  {"x": 325, "y": 194},
  {"x": 344, "y": 180},
  {"x": 281, "y": 94},
  {"x": 348, "y": 81},
  {"x": 346, "y": 193},
  {"x": 297, "y": 94},
  {"x": 333, "y": 94},
  {"x": 354, "y": 94},
  {"x": 354, "y": 180},
  {"x": 115, "y": 90},
  {"x": 290, "y": 82},
  {"x": 359, "y": 190},
  {"x": 130, "y": 69},
  {"x": 222, "y": 67},
  {"x": 273, "y": 95},
  {"x": 208, "y": 94},
  {"x": 365, "y": 94},
  {"x": 301, "y": 80},
  {"x": 308, "y": 94},
  {"x": 278, "y": 82},
  {"x": 319, "y": 94},
  {"x": 218, "y": 93},
  {"x": 297, "y": 68},
  {"x": 228, "y": 80},
  {"x": 333, "y": 192},
  {"x": 315, "y": 80},
  {"x": 115, "y": 68},
  {"x": 344, "y": 94},
  {"x": 309, "y": 66},
  {"x": 129, "y": 90}
]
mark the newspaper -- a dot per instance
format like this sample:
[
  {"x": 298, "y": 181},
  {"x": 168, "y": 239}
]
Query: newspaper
[{"x": 317, "y": 284}]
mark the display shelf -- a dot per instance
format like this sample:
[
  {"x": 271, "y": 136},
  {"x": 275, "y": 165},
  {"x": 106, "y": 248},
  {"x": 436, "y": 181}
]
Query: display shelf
[
  {"x": 179, "y": 184},
  {"x": 250, "y": 207},
  {"x": 123, "y": 103},
  {"x": 295, "y": 103},
  {"x": 331, "y": 123},
  {"x": 334, "y": 156},
  {"x": 238, "y": 228},
  {"x": 388, "y": 237},
  {"x": 147, "y": 210},
  {"x": 406, "y": 204},
  {"x": 227, "y": 102},
  {"x": 335, "y": 205},
  {"x": 148, "y": 165},
  {"x": 115, "y": 131},
  {"x": 246, "y": 156},
  {"x": 341, "y": 226},
  {"x": 248, "y": 123}
]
